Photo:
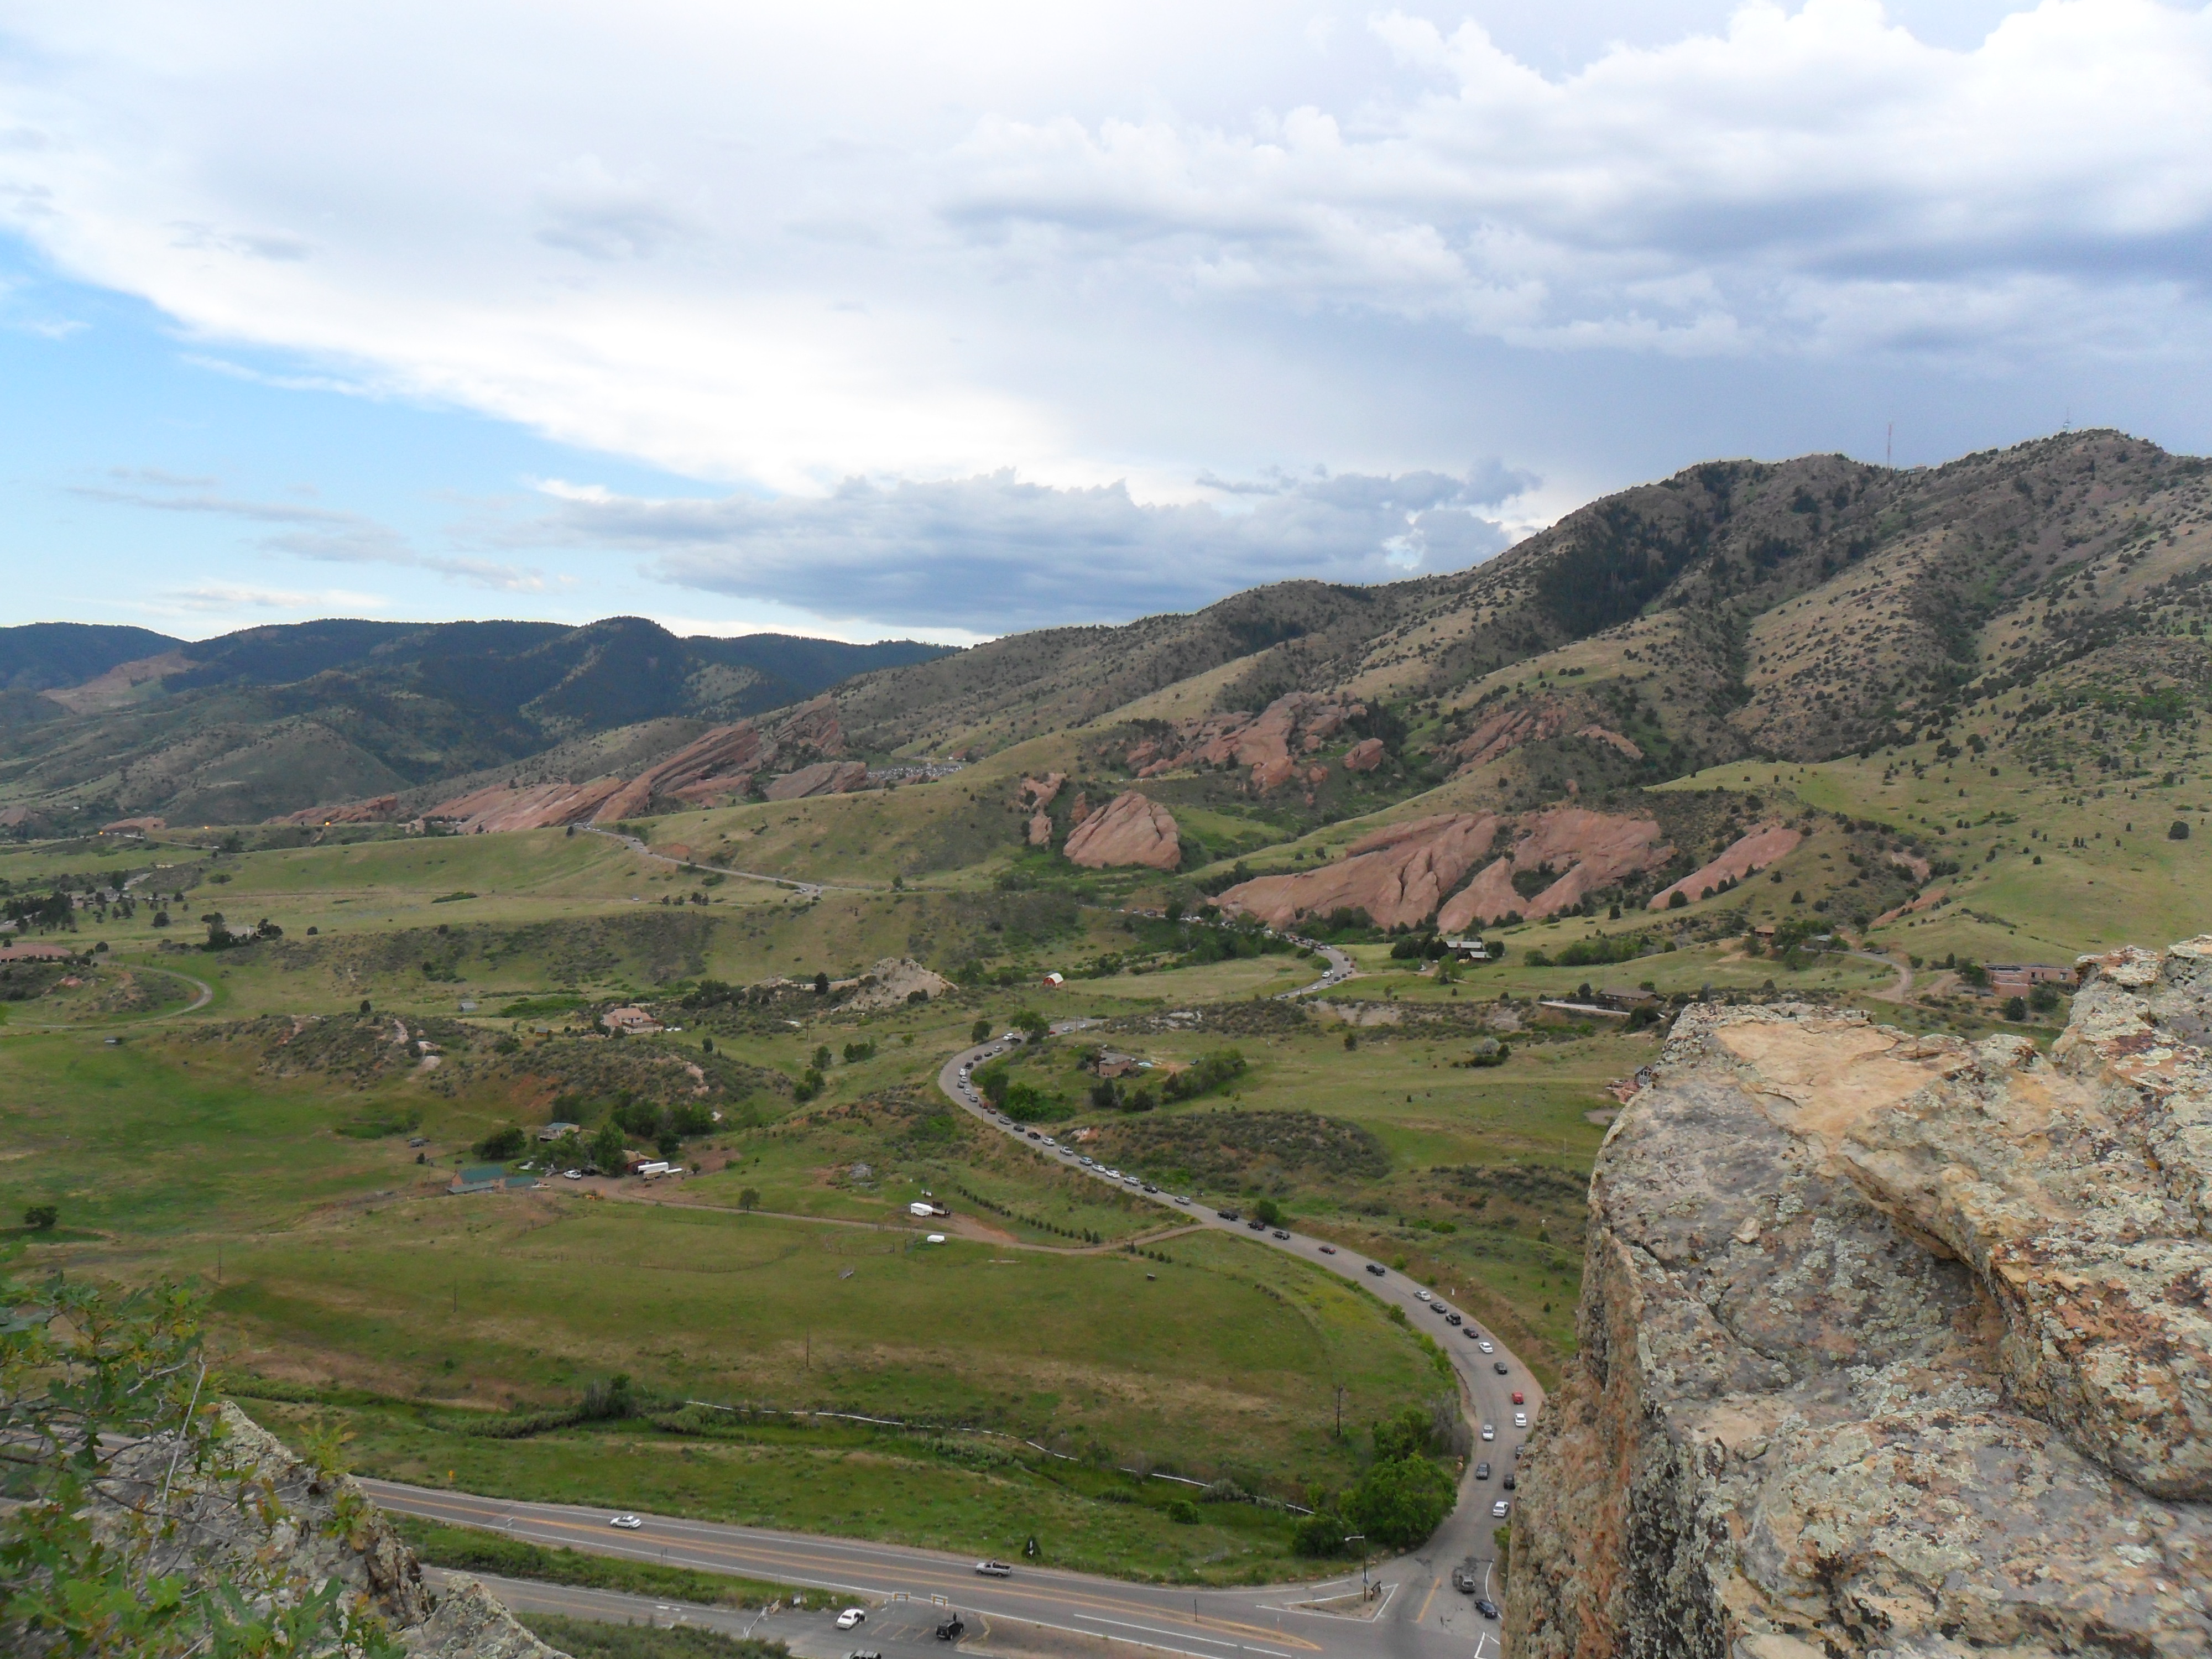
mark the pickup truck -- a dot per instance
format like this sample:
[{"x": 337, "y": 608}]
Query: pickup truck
[{"x": 993, "y": 1570}]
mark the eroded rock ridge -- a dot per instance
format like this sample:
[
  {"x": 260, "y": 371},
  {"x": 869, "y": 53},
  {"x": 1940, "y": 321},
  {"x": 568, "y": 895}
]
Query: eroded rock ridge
[{"x": 1892, "y": 1345}]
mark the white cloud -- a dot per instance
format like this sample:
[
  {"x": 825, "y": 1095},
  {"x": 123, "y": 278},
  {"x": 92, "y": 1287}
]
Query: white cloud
[
  {"x": 994, "y": 553},
  {"x": 1033, "y": 271},
  {"x": 318, "y": 534}
]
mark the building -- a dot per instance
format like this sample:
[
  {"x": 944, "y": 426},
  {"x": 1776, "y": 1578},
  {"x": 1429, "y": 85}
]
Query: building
[
  {"x": 2014, "y": 977},
  {"x": 489, "y": 1178},
  {"x": 630, "y": 1022},
  {"x": 1055, "y": 981},
  {"x": 1469, "y": 950},
  {"x": 555, "y": 1130}
]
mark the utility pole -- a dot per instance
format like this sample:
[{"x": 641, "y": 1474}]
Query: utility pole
[
  {"x": 1340, "y": 1410},
  {"x": 1360, "y": 1539}
]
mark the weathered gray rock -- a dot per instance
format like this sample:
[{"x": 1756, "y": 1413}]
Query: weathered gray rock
[
  {"x": 300, "y": 1529},
  {"x": 1892, "y": 1344}
]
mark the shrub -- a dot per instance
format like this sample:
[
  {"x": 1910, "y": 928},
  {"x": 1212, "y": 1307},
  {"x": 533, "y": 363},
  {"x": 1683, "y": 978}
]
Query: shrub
[
  {"x": 501, "y": 1143},
  {"x": 1182, "y": 1512},
  {"x": 980, "y": 1031},
  {"x": 40, "y": 1217},
  {"x": 2177, "y": 830},
  {"x": 1399, "y": 1503},
  {"x": 1211, "y": 1072},
  {"x": 2015, "y": 1009},
  {"x": 1317, "y": 1535}
]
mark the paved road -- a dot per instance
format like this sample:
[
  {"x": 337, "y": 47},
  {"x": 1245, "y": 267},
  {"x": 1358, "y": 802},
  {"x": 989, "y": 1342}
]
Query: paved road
[
  {"x": 897, "y": 1583},
  {"x": 1341, "y": 969},
  {"x": 1487, "y": 1393}
]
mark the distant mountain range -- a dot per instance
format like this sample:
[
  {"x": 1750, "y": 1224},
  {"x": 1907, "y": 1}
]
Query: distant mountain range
[
  {"x": 1797, "y": 610},
  {"x": 98, "y": 722}
]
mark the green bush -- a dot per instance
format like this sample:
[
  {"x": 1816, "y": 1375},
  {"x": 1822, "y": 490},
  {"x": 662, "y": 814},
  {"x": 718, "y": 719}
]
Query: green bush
[
  {"x": 501, "y": 1143},
  {"x": 1320, "y": 1535},
  {"x": 1183, "y": 1512},
  {"x": 1398, "y": 1503}
]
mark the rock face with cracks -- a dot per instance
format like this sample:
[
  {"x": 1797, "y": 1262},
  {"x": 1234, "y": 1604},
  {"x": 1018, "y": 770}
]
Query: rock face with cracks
[
  {"x": 324, "y": 1528},
  {"x": 1400, "y": 873},
  {"x": 1128, "y": 829},
  {"x": 1892, "y": 1345}
]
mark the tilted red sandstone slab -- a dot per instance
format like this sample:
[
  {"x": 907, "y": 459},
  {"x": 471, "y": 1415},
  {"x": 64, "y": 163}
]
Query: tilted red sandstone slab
[
  {"x": 822, "y": 778},
  {"x": 1745, "y": 856},
  {"x": 1399, "y": 874},
  {"x": 1131, "y": 828},
  {"x": 1890, "y": 1343},
  {"x": 1588, "y": 851}
]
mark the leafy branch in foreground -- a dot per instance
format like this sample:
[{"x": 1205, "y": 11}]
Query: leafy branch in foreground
[{"x": 136, "y": 1532}]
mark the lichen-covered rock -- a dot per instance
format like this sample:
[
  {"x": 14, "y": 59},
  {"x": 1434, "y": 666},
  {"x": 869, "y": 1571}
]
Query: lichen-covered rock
[
  {"x": 280, "y": 1527},
  {"x": 1892, "y": 1344}
]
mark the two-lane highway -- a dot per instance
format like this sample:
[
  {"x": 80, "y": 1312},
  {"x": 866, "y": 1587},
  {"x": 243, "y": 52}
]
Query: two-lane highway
[{"x": 1490, "y": 1375}]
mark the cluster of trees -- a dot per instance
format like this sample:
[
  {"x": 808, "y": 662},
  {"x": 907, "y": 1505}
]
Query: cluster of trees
[
  {"x": 1597, "y": 952},
  {"x": 1406, "y": 1493}
]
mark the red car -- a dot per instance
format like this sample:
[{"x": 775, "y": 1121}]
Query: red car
[{"x": 1518, "y": 1400}]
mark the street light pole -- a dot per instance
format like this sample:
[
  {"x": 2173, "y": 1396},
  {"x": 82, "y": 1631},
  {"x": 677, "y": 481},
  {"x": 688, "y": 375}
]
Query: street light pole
[{"x": 1360, "y": 1539}]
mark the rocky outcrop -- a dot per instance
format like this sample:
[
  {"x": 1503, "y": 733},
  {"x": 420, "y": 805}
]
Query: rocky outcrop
[
  {"x": 1037, "y": 794},
  {"x": 299, "y": 1528},
  {"x": 1269, "y": 743},
  {"x": 1397, "y": 875},
  {"x": 1584, "y": 852},
  {"x": 822, "y": 778},
  {"x": 1131, "y": 828},
  {"x": 1041, "y": 829},
  {"x": 378, "y": 809},
  {"x": 1502, "y": 732},
  {"x": 1747, "y": 855},
  {"x": 540, "y": 807},
  {"x": 1364, "y": 756},
  {"x": 892, "y": 983},
  {"x": 1892, "y": 1344}
]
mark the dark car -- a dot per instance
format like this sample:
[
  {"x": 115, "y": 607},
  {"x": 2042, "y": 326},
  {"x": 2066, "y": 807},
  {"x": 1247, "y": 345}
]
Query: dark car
[
  {"x": 1228, "y": 1215},
  {"x": 950, "y": 1630},
  {"x": 1451, "y": 1319},
  {"x": 1256, "y": 1224},
  {"x": 1375, "y": 1268},
  {"x": 1482, "y": 1471},
  {"x": 1499, "y": 1368},
  {"x": 1509, "y": 1481},
  {"x": 1486, "y": 1607},
  {"x": 1464, "y": 1580}
]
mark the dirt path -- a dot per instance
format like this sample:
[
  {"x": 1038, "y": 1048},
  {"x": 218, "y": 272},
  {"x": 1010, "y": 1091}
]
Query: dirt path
[{"x": 1903, "y": 988}]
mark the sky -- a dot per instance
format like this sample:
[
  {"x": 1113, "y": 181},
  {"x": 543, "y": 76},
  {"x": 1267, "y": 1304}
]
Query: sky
[{"x": 946, "y": 320}]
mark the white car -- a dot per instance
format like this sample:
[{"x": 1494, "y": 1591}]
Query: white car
[
  {"x": 1423, "y": 1295},
  {"x": 934, "y": 1239},
  {"x": 572, "y": 1175},
  {"x": 1485, "y": 1345},
  {"x": 851, "y": 1617},
  {"x": 1502, "y": 1508},
  {"x": 1088, "y": 1162},
  {"x": 1181, "y": 1199},
  {"x": 1520, "y": 1419},
  {"x": 1489, "y": 1432},
  {"x": 627, "y": 1523}
]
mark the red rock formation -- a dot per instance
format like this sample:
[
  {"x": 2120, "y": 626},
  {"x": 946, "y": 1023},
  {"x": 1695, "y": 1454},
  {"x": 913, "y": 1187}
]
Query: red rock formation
[
  {"x": 1039, "y": 793},
  {"x": 133, "y": 826},
  {"x": 538, "y": 807},
  {"x": 1593, "y": 850},
  {"x": 1612, "y": 739},
  {"x": 1041, "y": 829},
  {"x": 721, "y": 761},
  {"x": 822, "y": 778},
  {"x": 375, "y": 810},
  {"x": 1751, "y": 852},
  {"x": 1130, "y": 828},
  {"x": 1079, "y": 810},
  {"x": 1298, "y": 723},
  {"x": 814, "y": 726},
  {"x": 1508, "y": 730},
  {"x": 1364, "y": 756},
  {"x": 1398, "y": 874}
]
